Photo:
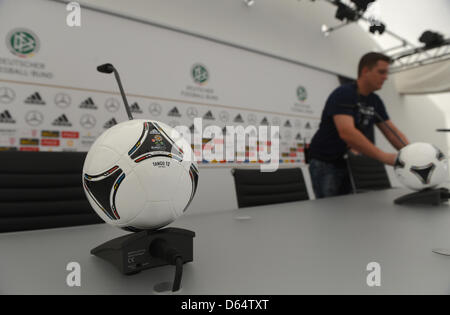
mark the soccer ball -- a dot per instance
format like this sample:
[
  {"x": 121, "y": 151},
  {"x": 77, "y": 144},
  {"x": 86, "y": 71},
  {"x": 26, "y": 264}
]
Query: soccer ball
[
  {"x": 420, "y": 166},
  {"x": 140, "y": 175}
]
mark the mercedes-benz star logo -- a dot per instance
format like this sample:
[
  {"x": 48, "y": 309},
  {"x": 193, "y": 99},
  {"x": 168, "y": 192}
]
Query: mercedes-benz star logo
[
  {"x": 88, "y": 121},
  {"x": 252, "y": 119},
  {"x": 34, "y": 118},
  {"x": 276, "y": 121},
  {"x": 112, "y": 105},
  {"x": 155, "y": 109},
  {"x": 62, "y": 100},
  {"x": 192, "y": 112},
  {"x": 224, "y": 116},
  {"x": 7, "y": 95}
]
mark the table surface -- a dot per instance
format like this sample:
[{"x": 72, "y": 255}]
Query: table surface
[{"x": 309, "y": 247}]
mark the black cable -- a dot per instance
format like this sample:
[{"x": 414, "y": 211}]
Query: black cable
[
  {"x": 160, "y": 248},
  {"x": 178, "y": 274}
]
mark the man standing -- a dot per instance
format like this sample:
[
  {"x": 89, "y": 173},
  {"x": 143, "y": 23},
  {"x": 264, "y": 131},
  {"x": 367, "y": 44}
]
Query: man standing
[{"x": 348, "y": 116}]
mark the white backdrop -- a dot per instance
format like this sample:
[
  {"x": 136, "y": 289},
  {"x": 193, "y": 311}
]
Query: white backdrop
[{"x": 78, "y": 103}]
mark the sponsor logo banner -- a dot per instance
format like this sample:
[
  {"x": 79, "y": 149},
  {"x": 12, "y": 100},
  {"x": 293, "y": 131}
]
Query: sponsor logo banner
[
  {"x": 29, "y": 141},
  {"x": 50, "y": 133},
  {"x": 35, "y": 149},
  {"x": 8, "y": 149},
  {"x": 50, "y": 142},
  {"x": 70, "y": 134}
]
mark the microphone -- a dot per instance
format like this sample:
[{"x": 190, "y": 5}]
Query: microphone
[
  {"x": 109, "y": 68},
  {"x": 358, "y": 106},
  {"x": 105, "y": 68}
]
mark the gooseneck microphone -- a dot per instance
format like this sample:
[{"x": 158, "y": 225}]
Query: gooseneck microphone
[
  {"x": 105, "y": 68},
  {"x": 109, "y": 68},
  {"x": 358, "y": 106}
]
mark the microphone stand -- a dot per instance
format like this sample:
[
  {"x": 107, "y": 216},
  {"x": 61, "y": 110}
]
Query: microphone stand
[
  {"x": 145, "y": 249},
  {"x": 108, "y": 68}
]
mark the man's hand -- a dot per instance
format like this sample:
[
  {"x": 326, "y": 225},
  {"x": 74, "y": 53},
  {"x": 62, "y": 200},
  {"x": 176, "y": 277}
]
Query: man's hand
[
  {"x": 389, "y": 158},
  {"x": 355, "y": 152}
]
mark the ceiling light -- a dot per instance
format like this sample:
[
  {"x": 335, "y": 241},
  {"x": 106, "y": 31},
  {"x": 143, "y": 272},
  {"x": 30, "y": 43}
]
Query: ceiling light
[
  {"x": 431, "y": 39},
  {"x": 344, "y": 12},
  {"x": 249, "y": 3},
  {"x": 361, "y": 5},
  {"x": 377, "y": 27},
  {"x": 325, "y": 30}
]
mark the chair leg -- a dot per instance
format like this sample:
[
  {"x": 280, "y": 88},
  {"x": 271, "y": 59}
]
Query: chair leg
[{"x": 352, "y": 181}]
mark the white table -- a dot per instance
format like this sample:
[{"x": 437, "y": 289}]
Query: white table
[{"x": 308, "y": 247}]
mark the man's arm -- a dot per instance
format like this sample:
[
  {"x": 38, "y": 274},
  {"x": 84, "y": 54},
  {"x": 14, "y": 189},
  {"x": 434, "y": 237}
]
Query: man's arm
[
  {"x": 345, "y": 125},
  {"x": 396, "y": 143}
]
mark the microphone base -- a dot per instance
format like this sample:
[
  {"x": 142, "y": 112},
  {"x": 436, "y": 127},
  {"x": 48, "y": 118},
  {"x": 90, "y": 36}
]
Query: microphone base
[
  {"x": 433, "y": 197},
  {"x": 131, "y": 253}
]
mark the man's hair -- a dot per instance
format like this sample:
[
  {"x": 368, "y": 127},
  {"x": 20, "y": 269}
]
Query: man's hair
[{"x": 370, "y": 60}]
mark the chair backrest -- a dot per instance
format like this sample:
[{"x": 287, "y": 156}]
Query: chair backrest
[
  {"x": 254, "y": 187},
  {"x": 367, "y": 174},
  {"x": 41, "y": 190}
]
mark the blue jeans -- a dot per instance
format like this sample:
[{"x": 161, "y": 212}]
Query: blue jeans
[{"x": 329, "y": 179}]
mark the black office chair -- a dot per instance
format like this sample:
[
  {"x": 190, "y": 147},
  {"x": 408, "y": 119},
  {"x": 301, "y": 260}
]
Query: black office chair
[
  {"x": 367, "y": 174},
  {"x": 254, "y": 188},
  {"x": 40, "y": 190}
]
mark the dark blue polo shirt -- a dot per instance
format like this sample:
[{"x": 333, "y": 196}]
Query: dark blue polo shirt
[{"x": 326, "y": 145}]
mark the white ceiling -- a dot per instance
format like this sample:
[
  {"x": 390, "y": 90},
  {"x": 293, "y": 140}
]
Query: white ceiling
[{"x": 407, "y": 18}]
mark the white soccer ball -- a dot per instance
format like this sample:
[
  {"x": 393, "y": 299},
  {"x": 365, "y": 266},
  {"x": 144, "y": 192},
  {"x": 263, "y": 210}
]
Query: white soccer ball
[
  {"x": 420, "y": 166},
  {"x": 140, "y": 175}
]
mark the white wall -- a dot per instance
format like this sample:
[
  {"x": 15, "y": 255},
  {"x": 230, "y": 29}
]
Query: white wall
[{"x": 289, "y": 29}]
